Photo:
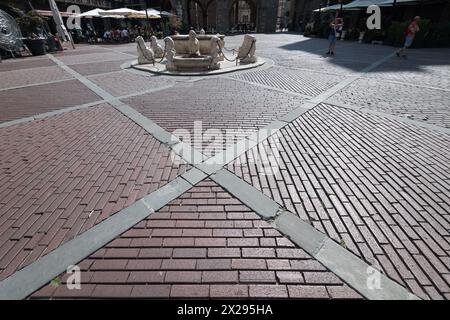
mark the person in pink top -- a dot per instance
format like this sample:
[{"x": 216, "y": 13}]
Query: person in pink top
[{"x": 410, "y": 33}]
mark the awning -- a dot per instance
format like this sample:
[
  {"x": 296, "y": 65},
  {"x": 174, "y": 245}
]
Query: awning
[
  {"x": 91, "y": 13},
  {"x": 112, "y": 16},
  {"x": 152, "y": 13},
  {"x": 386, "y": 3},
  {"x": 120, "y": 12},
  {"x": 48, "y": 13},
  {"x": 167, "y": 14},
  {"x": 362, "y": 4},
  {"x": 330, "y": 8}
]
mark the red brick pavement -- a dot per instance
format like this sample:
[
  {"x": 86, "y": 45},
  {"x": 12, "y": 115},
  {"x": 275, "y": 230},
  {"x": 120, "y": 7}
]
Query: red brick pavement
[
  {"x": 30, "y": 101},
  {"x": 62, "y": 175},
  {"x": 377, "y": 186},
  {"x": 204, "y": 244},
  {"x": 25, "y": 63},
  {"x": 22, "y": 77},
  {"x": 125, "y": 82},
  {"x": 219, "y": 104},
  {"x": 87, "y": 69}
]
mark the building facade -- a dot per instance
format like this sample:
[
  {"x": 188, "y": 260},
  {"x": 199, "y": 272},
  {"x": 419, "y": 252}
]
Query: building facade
[
  {"x": 211, "y": 15},
  {"x": 226, "y": 15}
]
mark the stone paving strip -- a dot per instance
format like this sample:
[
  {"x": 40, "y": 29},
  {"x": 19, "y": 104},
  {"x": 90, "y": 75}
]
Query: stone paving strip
[
  {"x": 124, "y": 82},
  {"x": 182, "y": 149},
  {"x": 91, "y": 57},
  {"x": 325, "y": 251},
  {"x": 24, "y": 282},
  {"x": 93, "y": 68},
  {"x": 205, "y": 244},
  {"x": 58, "y": 178},
  {"x": 25, "y": 63},
  {"x": 233, "y": 108},
  {"x": 377, "y": 186},
  {"x": 336, "y": 258},
  {"x": 211, "y": 165},
  {"x": 27, "y": 77},
  {"x": 25, "y": 102},
  {"x": 49, "y": 114}
]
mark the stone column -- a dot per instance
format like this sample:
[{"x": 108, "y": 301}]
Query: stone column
[
  {"x": 222, "y": 15},
  {"x": 266, "y": 15}
]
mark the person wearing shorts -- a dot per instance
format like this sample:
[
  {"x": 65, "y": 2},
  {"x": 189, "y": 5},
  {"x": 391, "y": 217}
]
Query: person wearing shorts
[
  {"x": 410, "y": 33},
  {"x": 334, "y": 26}
]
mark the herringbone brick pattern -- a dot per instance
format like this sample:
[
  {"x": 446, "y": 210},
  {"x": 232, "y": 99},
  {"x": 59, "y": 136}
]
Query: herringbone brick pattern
[
  {"x": 371, "y": 184},
  {"x": 220, "y": 111},
  {"x": 61, "y": 175},
  {"x": 309, "y": 83},
  {"x": 88, "y": 68},
  {"x": 421, "y": 104},
  {"x": 125, "y": 82},
  {"x": 22, "y": 77},
  {"x": 30, "y": 101}
]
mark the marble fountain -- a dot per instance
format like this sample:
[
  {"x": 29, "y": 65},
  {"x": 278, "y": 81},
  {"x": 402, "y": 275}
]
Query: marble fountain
[{"x": 195, "y": 54}]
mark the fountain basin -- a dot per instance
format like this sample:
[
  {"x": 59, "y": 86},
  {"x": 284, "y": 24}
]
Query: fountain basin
[
  {"x": 189, "y": 63},
  {"x": 181, "y": 43}
]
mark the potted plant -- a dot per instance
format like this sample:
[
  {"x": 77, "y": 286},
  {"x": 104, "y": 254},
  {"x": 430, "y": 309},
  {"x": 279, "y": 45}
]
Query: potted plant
[{"x": 30, "y": 23}]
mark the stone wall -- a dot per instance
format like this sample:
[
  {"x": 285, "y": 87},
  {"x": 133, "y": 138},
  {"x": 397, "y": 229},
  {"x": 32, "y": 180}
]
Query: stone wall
[{"x": 266, "y": 13}]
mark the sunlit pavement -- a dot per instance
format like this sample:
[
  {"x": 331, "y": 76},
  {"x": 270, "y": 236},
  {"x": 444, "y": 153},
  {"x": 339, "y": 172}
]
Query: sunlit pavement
[{"x": 359, "y": 150}]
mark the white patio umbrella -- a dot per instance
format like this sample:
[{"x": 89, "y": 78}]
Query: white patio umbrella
[
  {"x": 167, "y": 14},
  {"x": 152, "y": 13},
  {"x": 91, "y": 13},
  {"x": 112, "y": 16},
  {"x": 120, "y": 12},
  {"x": 329, "y": 8}
]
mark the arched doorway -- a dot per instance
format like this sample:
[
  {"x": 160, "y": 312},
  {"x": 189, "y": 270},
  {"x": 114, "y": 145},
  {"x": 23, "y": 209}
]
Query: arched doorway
[{"x": 242, "y": 16}]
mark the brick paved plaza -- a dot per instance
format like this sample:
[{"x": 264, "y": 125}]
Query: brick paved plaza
[{"x": 308, "y": 177}]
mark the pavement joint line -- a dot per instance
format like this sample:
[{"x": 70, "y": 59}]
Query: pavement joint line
[
  {"x": 194, "y": 176},
  {"x": 147, "y": 124},
  {"x": 257, "y": 201},
  {"x": 223, "y": 158},
  {"x": 36, "y": 84},
  {"x": 350, "y": 268},
  {"x": 31, "y": 278},
  {"x": 82, "y": 106},
  {"x": 41, "y": 116},
  {"x": 140, "y": 93},
  {"x": 99, "y": 75},
  {"x": 117, "y": 51},
  {"x": 356, "y": 273},
  {"x": 79, "y": 63},
  {"x": 404, "y": 120},
  {"x": 221, "y": 176},
  {"x": 269, "y": 87}
]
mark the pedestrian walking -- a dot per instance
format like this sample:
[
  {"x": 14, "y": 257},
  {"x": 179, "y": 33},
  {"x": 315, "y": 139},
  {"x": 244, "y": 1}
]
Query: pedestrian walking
[
  {"x": 410, "y": 33},
  {"x": 335, "y": 26}
]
